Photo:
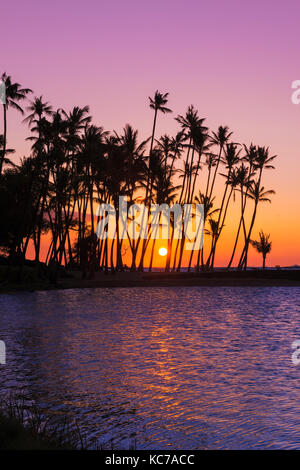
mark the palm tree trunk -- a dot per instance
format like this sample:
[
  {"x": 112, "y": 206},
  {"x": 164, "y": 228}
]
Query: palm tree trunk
[
  {"x": 221, "y": 227},
  {"x": 238, "y": 231},
  {"x": 148, "y": 190},
  {"x": 244, "y": 255},
  {"x": 210, "y": 261},
  {"x": 195, "y": 177},
  {"x": 188, "y": 192},
  {"x": 153, "y": 244},
  {"x": 215, "y": 173},
  {"x": 185, "y": 166}
]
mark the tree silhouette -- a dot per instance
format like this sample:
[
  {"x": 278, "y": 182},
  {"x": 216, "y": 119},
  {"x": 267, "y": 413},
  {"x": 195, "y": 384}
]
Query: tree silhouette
[
  {"x": 263, "y": 246},
  {"x": 14, "y": 94}
]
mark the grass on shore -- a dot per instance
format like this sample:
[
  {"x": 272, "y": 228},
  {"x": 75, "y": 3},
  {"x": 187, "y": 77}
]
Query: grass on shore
[
  {"x": 13, "y": 436},
  {"x": 25, "y": 427}
]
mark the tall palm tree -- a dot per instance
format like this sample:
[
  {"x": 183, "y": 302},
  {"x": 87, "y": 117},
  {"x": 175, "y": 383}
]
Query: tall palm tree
[
  {"x": 135, "y": 170},
  {"x": 257, "y": 194},
  {"x": 263, "y": 245},
  {"x": 208, "y": 212},
  {"x": 38, "y": 108},
  {"x": 165, "y": 193},
  {"x": 210, "y": 162},
  {"x": 91, "y": 148},
  {"x": 220, "y": 138},
  {"x": 39, "y": 111},
  {"x": 262, "y": 161},
  {"x": 240, "y": 180},
  {"x": 192, "y": 125},
  {"x": 231, "y": 158},
  {"x": 157, "y": 103},
  {"x": 176, "y": 149},
  {"x": 134, "y": 165},
  {"x": 76, "y": 121},
  {"x": 14, "y": 94},
  {"x": 196, "y": 134}
]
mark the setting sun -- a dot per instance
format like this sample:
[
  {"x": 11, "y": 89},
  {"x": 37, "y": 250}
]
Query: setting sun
[{"x": 162, "y": 251}]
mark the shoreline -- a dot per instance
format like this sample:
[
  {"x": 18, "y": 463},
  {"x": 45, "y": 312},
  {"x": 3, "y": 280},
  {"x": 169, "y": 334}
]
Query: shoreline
[
  {"x": 15, "y": 436},
  {"x": 253, "y": 278}
]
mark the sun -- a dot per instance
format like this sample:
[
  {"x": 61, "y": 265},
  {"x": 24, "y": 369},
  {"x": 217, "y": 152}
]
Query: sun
[{"x": 162, "y": 251}]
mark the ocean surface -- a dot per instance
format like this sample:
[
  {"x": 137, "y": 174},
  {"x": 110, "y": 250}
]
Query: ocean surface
[{"x": 165, "y": 368}]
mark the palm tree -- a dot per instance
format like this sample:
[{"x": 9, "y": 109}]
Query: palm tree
[
  {"x": 208, "y": 212},
  {"x": 134, "y": 165},
  {"x": 191, "y": 125},
  {"x": 38, "y": 109},
  {"x": 76, "y": 121},
  {"x": 263, "y": 245},
  {"x": 261, "y": 160},
  {"x": 165, "y": 193},
  {"x": 91, "y": 148},
  {"x": 220, "y": 138},
  {"x": 196, "y": 134},
  {"x": 231, "y": 158},
  {"x": 157, "y": 103},
  {"x": 135, "y": 171},
  {"x": 257, "y": 194},
  {"x": 213, "y": 230},
  {"x": 210, "y": 162},
  {"x": 176, "y": 149},
  {"x": 14, "y": 94},
  {"x": 7, "y": 151},
  {"x": 240, "y": 179}
]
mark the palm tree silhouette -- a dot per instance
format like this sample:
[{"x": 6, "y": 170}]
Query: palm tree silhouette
[
  {"x": 263, "y": 245},
  {"x": 261, "y": 161},
  {"x": 257, "y": 194},
  {"x": 157, "y": 103},
  {"x": 220, "y": 138},
  {"x": 14, "y": 94},
  {"x": 231, "y": 158},
  {"x": 38, "y": 110},
  {"x": 240, "y": 180}
]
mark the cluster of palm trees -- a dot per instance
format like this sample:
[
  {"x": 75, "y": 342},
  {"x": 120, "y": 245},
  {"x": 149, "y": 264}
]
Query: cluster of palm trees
[{"x": 51, "y": 195}]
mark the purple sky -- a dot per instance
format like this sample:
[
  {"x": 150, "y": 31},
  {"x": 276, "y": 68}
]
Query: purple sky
[{"x": 234, "y": 61}]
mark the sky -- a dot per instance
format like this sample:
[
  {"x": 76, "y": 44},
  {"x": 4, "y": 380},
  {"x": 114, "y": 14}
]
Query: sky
[{"x": 234, "y": 61}]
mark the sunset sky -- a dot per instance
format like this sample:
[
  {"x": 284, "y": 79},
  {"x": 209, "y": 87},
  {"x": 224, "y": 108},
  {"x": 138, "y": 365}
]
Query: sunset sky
[{"x": 235, "y": 61}]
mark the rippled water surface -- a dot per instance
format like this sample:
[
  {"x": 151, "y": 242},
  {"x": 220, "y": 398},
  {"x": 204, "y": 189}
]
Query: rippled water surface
[{"x": 172, "y": 368}]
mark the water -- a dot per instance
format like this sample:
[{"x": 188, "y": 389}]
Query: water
[{"x": 172, "y": 368}]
